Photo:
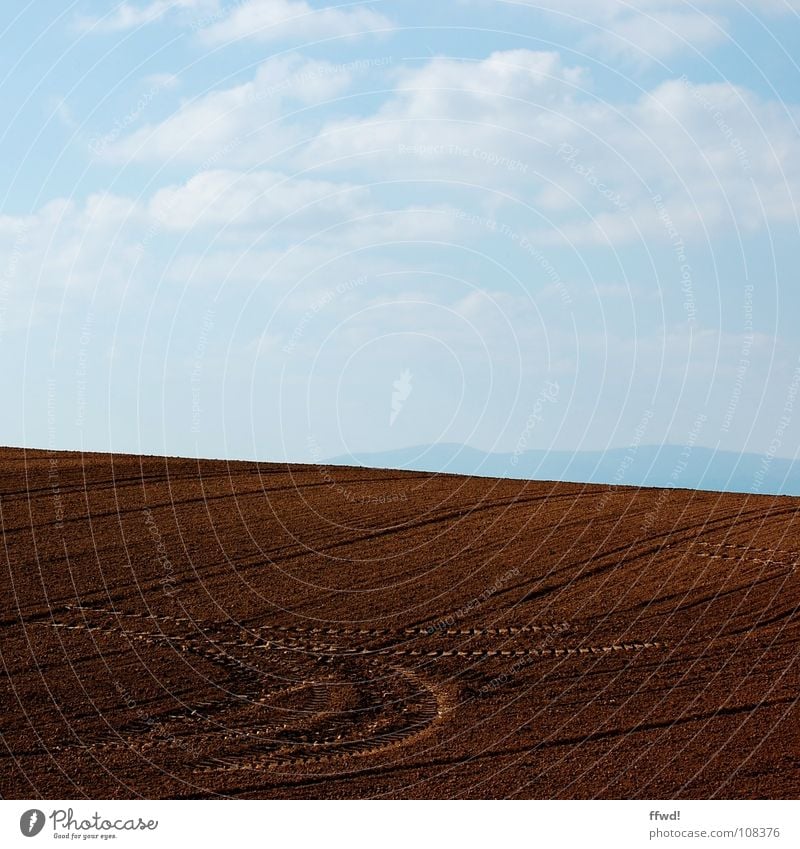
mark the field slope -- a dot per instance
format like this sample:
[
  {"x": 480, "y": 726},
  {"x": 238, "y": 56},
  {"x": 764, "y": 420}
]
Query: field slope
[{"x": 184, "y": 628}]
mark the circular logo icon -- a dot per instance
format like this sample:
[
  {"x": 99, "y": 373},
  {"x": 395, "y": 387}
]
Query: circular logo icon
[{"x": 31, "y": 822}]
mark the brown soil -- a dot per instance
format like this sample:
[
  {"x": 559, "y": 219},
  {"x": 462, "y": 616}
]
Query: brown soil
[{"x": 182, "y": 628}]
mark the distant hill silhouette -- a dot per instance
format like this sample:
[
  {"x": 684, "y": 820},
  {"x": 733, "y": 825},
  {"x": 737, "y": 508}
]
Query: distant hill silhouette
[{"x": 647, "y": 465}]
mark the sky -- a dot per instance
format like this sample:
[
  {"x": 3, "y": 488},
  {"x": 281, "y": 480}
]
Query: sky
[{"x": 291, "y": 230}]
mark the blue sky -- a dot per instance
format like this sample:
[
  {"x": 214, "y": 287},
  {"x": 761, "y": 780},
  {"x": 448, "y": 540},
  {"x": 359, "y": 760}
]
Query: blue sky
[{"x": 282, "y": 229}]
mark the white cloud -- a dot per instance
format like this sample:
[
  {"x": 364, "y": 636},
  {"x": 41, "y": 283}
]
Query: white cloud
[
  {"x": 719, "y": 155},
  {"x": 219, "y": 226},
  {"x": 272, "y": 20},
  {"x": 72, "y": 246},
  {"x": 654, "y": 29},
  {"x": 461, "y": 120},
  {"x": 235, "y": 200},
  {"x": 660, "y": 34},
  {"x": 243, "y": 123},
  {"x": 127, "y": 16}
]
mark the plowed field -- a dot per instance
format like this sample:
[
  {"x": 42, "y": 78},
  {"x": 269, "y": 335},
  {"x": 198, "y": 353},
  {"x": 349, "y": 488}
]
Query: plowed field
[{"x": 183, "y": 628}]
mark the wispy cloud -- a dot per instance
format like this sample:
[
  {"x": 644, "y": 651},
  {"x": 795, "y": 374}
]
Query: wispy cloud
[
  {"x": 216, "y": 21},
  {"x": 249, "y": 117},
  {"x": 272, "y": 20},
  {"x": 128, "y": 16},
  {"x": 649, "y": 30}
]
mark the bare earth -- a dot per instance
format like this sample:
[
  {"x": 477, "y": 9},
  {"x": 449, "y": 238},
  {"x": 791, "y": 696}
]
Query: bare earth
[{"x": 183, "y": 628}]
